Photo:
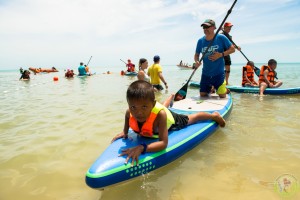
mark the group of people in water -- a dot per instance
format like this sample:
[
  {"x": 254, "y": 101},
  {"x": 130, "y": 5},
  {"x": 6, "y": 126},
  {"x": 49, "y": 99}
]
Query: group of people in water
[
  {"x": 83, "y": 70},
  {"x": 267, "y": 76},
  {"x": 148, "y": 118},
  {"x": 25, "y": 74}
]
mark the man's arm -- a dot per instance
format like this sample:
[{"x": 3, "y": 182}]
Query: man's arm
[
  {"x": 196, "y": 59},
  {"x": 162, "y": 79}
]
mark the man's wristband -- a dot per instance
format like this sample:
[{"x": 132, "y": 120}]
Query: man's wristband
[
  {"x": 145, "y": 147},
  {"x": 223, "y": 54}
]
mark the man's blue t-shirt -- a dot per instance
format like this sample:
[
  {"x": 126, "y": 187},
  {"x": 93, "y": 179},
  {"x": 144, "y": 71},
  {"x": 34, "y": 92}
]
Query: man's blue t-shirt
[
  {"x": 81, "y": 70},
  {"x": 220, "y": 44}
]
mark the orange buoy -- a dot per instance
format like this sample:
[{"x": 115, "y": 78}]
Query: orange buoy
[
  {"x": 55, "y": 78},
  {"x": 122, "y": 73}
]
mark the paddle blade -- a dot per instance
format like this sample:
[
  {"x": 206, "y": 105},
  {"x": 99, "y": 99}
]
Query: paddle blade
[
  {"x": 257, "y": 71},
  {"x": 181, "y": 94}
]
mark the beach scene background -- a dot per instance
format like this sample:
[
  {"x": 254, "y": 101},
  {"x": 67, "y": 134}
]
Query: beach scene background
[{"x": 52, "y": 131}]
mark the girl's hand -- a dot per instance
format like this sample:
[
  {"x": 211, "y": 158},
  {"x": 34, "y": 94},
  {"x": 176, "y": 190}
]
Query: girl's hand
[
  {"x": 120, "y": 135},
  {"x": 133, "y": 154}
]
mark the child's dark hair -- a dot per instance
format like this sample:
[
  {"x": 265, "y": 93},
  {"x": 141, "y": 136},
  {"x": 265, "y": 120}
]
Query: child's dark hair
[
  {"x": 272, "y": 62},
  {"x": 140, "y": 90},
  {"x": 251, "y": 63}
]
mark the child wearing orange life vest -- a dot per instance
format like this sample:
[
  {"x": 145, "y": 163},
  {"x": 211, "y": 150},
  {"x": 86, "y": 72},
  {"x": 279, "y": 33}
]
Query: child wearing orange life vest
[
  {"x": 148, "y": 118},
  {"x": 267, "y": 75},
  {"x": 248, "y": 75}
]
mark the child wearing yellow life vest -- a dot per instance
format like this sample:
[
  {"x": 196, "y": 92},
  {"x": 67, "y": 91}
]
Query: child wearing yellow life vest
[
  {"x": 267, "y": 76},
  {"x": 148, "y": 118},
  {"x": 248, "y": 75}
]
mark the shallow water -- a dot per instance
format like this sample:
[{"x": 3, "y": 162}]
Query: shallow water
[{"x": 51, "y": 132}]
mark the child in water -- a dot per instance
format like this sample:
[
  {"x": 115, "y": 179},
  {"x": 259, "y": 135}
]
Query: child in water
[
  {"x": 149, "y": 118},
  {"x": 25, "y": 75}
]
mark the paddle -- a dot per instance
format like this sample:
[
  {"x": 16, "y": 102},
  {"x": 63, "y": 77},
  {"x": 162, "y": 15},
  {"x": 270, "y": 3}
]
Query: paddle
[
  {"x": 256, "y": 69},
  {"x": 183, "y": 91},
  {"x": 89, "y": 61},
  {"x": 123, "y": 61}
]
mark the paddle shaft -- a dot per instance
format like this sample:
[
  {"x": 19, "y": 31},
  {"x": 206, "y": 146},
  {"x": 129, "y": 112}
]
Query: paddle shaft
[
  {"x": 89, "y": 60},
  {"x": 236, "y": 46},
  {"x": 184, "y": 88},
  {"x": 123, "y": 61}
]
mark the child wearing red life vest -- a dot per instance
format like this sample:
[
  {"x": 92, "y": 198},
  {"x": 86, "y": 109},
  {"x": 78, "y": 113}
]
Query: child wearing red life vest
[
  {"x": 248, "y": 75},
  {"x": 267, "y": 77},
  {"x": 149, "y": 118}
]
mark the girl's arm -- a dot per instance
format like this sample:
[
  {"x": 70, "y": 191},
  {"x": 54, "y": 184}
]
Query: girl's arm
[
  {"x": 134, "y": 152},
  {"x": 162, "y": 133},
  {"x": 246, "y": 77},
  {"x": 124, "y": 133}
]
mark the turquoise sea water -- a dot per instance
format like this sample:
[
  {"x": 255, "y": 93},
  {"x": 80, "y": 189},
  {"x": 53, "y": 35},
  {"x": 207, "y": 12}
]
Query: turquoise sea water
[{"x": 52, "y": 131}]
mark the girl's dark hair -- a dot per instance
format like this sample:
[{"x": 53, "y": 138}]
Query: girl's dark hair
[
  {"x": 140, "y": 90},
  {"x": 142, "y": 60}
]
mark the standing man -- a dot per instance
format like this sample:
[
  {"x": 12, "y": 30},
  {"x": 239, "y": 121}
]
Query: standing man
[
  {"x": 226, "y": 30},
  {"x": 81, "y": 70},
  {"x": 155, "y": 73},
  {"x": 213, "y": 60}
]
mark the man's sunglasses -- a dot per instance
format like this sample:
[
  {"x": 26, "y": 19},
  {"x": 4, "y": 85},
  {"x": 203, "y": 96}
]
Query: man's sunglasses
[{"x": 205, "y": 27}]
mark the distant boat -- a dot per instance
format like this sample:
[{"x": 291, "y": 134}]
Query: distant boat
[
  {"x": 185, "y": 66},
  {"x": 38, "y": 70}
]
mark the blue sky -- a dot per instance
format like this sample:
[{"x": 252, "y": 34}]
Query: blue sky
[{"x": 62, "y": 33}]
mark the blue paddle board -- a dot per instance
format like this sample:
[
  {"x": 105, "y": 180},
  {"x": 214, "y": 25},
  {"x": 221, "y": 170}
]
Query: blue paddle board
[
  {"x": 276, "y": 91},
  {"x": 241, "y": 89},
  {"x": 195, "y": 84},
  {"x": 130, "y": 73},
  {"x": 110, "y": 169}
]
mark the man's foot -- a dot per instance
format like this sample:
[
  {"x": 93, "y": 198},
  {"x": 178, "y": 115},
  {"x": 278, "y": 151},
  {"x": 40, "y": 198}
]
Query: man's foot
[{"x": 219, "y": 119}]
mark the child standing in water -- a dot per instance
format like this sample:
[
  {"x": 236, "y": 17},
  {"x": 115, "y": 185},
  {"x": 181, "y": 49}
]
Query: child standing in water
[{"x": 149, "y": 118}]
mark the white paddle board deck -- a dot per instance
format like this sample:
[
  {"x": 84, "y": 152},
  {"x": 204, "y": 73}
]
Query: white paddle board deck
[{"x": 195, "y": 104}]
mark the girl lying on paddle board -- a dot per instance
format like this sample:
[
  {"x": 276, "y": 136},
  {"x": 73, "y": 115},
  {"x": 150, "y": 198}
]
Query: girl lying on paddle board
[{"x": 149, "y": 118}]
